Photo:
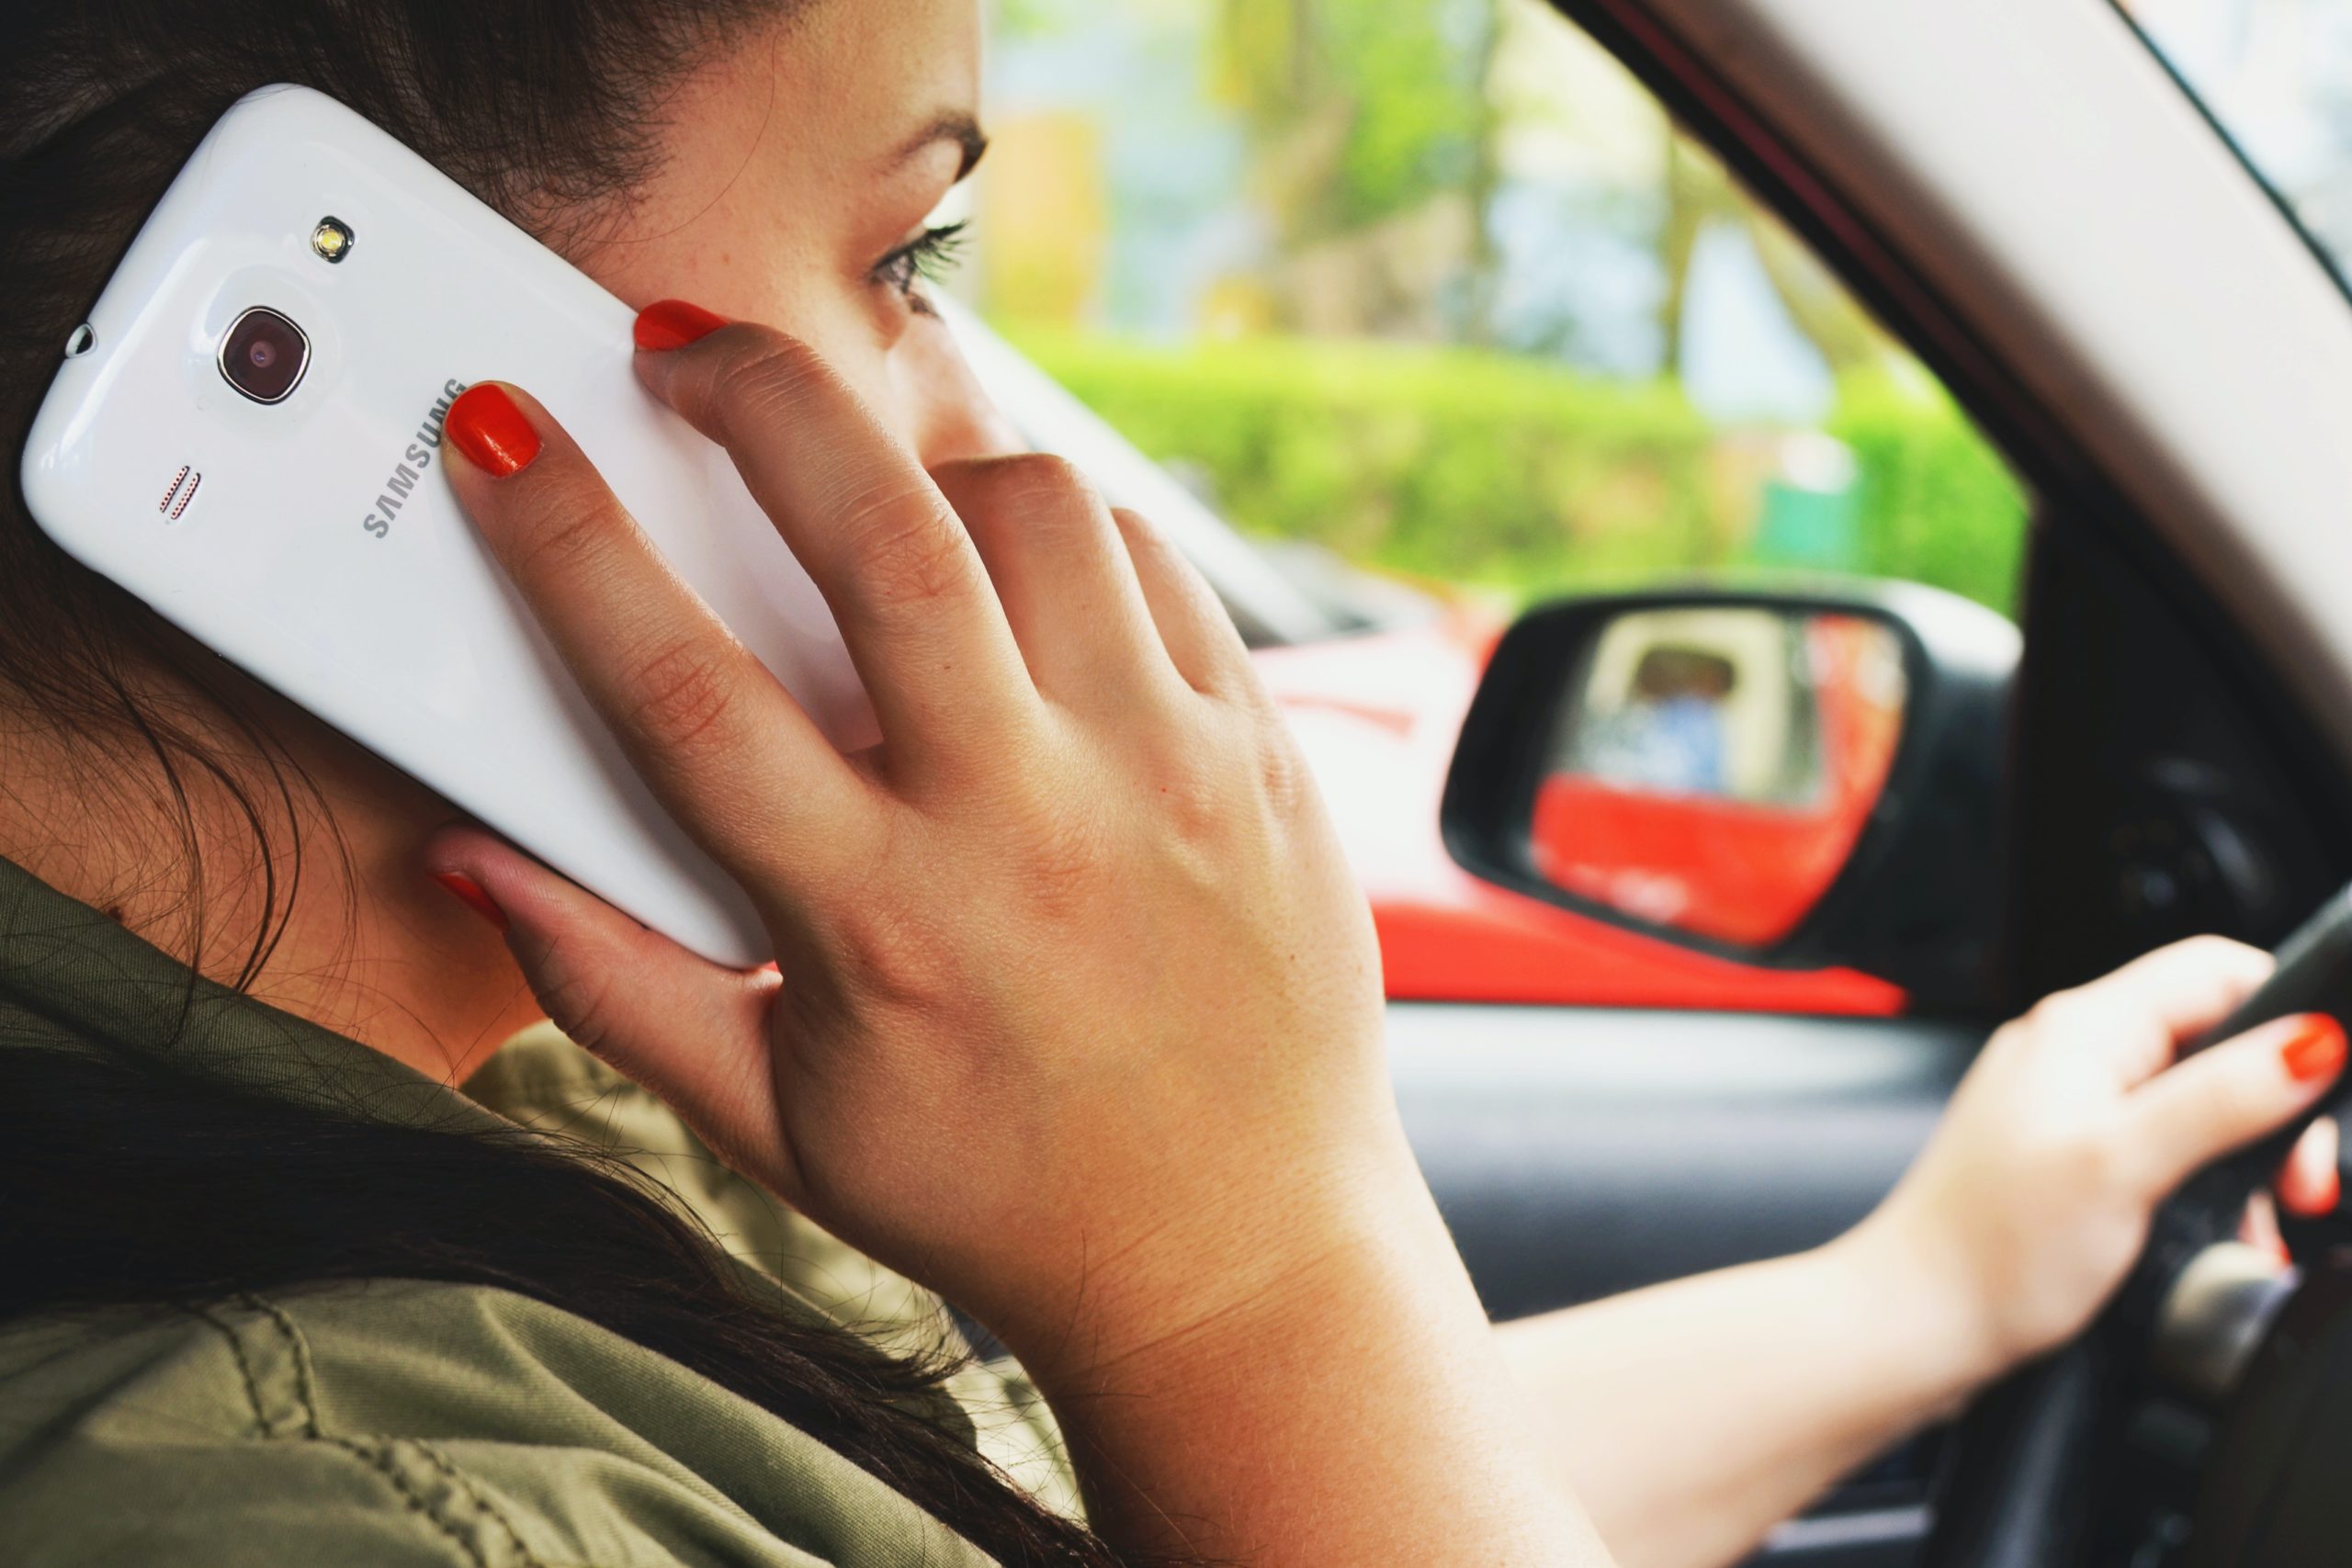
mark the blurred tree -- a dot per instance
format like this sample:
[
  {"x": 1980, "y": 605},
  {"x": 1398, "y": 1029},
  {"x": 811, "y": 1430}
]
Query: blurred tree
[
  {"x": 1049, "y": 227},
  {"x": 1700, "y": 195},
  {"x": 1373, "y": 139},
  {"x": 1024, "y": 18}
]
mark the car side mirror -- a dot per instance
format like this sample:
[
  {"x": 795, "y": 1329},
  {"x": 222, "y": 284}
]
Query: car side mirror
[{"x": 1793, "y": 780}]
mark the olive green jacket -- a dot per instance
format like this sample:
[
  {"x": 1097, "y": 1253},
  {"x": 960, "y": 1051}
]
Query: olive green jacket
[{"x": 404, "y": 1421}]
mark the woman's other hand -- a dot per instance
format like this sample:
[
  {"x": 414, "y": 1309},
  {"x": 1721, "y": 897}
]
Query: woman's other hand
[
  {"x": 2035, "y": 1195},
  {"x": 1699, "y": 1413}
]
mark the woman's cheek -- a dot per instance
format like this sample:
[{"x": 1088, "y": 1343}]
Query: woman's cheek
[
  {"x": 948, "y": 414},
  {"x": 903, "y": 363},
  {"x": 847, "y": 325}
]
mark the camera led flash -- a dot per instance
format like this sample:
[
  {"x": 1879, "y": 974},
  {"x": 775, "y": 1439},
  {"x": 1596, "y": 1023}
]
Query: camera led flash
[{"x": 331, "y": 239}]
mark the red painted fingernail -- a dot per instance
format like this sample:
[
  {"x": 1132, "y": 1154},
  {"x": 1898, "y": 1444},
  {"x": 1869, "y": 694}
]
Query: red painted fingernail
[
  {"x": 486, "y": 426},
  {"x": 467, "y": 891},
  {"x": 674, "y": 323},
  {"x": 2315, "y": 1049},
  {"x": 2314, "y": 1206}
]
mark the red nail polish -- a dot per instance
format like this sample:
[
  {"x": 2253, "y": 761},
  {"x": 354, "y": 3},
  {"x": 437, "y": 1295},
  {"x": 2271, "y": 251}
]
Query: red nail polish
[
  {"x": 487, "y": 427},
  {"x": 467, "y": 891},
  {"x": 674, "y": 323},
  {"x": 2315, "y": 1049}
]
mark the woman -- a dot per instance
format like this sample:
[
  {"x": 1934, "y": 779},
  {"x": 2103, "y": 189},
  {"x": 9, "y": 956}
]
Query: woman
[{"x": 1077, "y": 1018}]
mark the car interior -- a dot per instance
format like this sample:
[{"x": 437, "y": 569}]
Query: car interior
[{"x": 1840, "y": 825}]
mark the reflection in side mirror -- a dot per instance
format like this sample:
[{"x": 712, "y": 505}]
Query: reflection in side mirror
[
  {"x": 1806, "y": 781},
  {"x": 1711, "y": 768}
]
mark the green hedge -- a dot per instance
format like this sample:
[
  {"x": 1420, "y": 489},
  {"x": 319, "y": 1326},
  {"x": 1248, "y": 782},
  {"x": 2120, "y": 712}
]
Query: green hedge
[
  {"x": 1499, "y": 472},
  {"x": 1937, "y": 504}
]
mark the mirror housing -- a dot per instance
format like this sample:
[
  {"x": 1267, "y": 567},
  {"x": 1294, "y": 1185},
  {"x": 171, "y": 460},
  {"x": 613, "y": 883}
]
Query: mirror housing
[{"x": 1905, "y": 885}]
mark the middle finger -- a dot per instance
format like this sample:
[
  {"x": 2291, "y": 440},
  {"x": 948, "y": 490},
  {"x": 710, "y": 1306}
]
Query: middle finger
[{"x": 881, "y": 543}]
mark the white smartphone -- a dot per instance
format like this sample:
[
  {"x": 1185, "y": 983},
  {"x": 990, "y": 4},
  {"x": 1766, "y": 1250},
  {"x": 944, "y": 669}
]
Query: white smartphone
[{"x": 246, "y": 436}]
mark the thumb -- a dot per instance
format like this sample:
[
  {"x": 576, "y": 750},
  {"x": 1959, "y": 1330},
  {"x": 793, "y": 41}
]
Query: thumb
[
  {"x": 2222, "y": 1099},
  {"x": 693, "y": 1031}
]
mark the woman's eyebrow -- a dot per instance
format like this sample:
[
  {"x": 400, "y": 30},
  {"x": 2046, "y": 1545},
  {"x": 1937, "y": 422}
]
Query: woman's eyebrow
[{"x": 955, "y": 127}]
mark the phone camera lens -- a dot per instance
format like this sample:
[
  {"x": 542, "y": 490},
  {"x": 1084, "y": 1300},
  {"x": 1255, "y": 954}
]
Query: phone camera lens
[{"x": 263, "y": 355}]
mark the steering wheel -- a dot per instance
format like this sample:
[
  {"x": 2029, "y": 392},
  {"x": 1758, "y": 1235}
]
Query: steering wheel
[{"x": 2101, "y": 1455}]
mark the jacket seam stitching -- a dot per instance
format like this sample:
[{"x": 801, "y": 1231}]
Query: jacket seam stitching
[
  {"x": 377, "y": 1453},
  {"x": 374, "y": 1456},
  {"x": 305, "y": 1386},
  {"x": 245, "y": 1368},
  {"x": 465, "y": 1483}
]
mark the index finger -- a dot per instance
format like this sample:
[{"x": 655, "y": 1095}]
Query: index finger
[
  {"x": 718, "y": 740},
  {"x": 2185, "y": 989},
  {"x": 914, "y": 601}
]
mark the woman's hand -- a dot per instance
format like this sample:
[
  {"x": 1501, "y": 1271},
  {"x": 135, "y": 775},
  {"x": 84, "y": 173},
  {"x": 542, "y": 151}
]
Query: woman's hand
[
  {"x": 1078, "y": 1016},
  {"x": 2035, "y": 1195}
]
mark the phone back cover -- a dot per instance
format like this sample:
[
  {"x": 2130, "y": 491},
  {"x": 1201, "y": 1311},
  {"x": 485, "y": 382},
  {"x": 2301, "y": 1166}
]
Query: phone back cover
[{"x": 320, "y": 547}]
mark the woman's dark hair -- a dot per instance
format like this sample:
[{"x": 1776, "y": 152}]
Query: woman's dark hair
[{"x": 121, "y": 1176}]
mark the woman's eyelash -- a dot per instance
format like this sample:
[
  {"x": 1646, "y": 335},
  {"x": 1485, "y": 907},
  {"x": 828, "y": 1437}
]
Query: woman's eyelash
[{"x": 928, "y": 256}]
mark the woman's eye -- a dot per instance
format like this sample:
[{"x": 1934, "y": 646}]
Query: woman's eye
[{"x": 930, "y": 256}]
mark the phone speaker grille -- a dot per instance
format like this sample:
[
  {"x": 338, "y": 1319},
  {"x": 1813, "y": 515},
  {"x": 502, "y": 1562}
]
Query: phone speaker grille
[{"x": 179, "y": 492}]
